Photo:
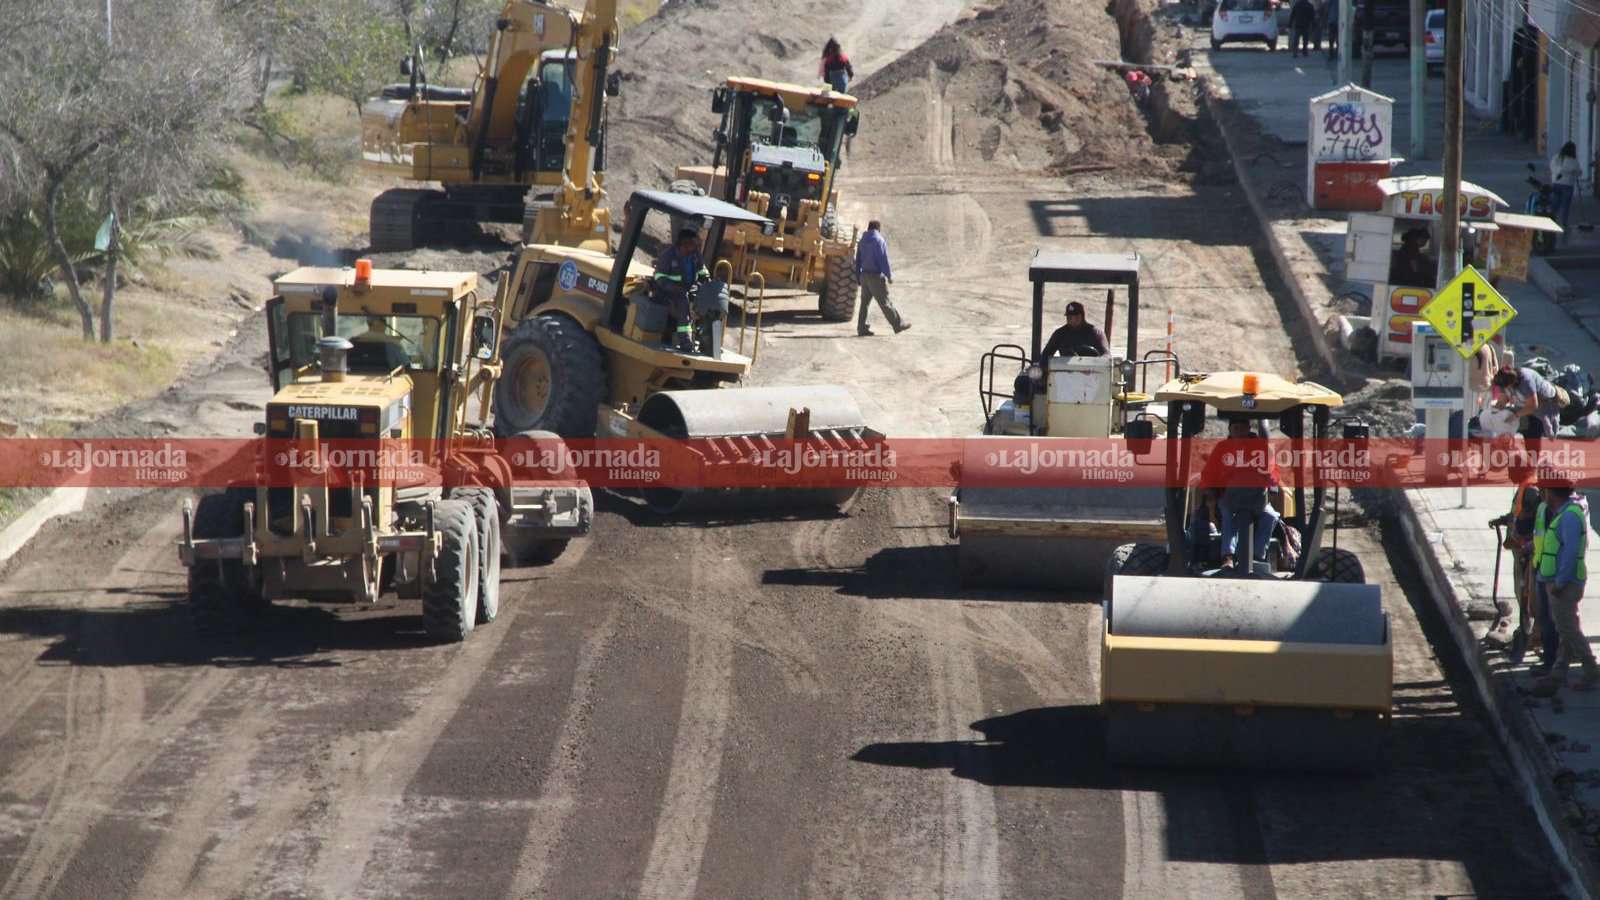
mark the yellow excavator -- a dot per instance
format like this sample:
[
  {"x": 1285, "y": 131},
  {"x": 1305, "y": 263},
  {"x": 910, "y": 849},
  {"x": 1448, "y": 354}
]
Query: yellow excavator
[
  {"x": 588, "y": 353},
  {"x": 525, "y": 144}
]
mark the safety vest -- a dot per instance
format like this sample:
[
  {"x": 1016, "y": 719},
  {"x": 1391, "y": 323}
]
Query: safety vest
[{"x": 1547, "y": 544}]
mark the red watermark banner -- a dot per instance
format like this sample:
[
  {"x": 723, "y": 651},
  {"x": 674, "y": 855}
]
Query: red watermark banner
[{"x": 831, "y": 462}]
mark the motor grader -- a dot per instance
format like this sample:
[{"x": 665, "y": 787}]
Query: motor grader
[
  {"x": 384, "y": 368},
  {"x": 533, "y": 123},
  {"x": 1061, "y": 537},
  {"x": 1281, "y": 662},
  {"x": 588, "y": 354},
  {"x": 782, "y": 143}
]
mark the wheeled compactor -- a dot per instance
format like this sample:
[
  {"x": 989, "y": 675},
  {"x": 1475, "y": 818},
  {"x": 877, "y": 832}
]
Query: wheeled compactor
[
  {"x": 1282, "y": 662},
  {"x": 1060, "y": 537},
  {"x": 589, "y": 353}
]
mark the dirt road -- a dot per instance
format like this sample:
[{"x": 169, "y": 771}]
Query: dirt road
[{"x": 805, "y": 708}]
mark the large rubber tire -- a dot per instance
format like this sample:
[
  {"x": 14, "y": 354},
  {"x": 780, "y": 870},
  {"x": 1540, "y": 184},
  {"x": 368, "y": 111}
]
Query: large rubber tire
[
  {"x": 837, "y": 302},
  {"x": 450, "y": 600},
  {"x": 554, "y": 379},
  {"x": 1338, "y": 565},
  {"x": 222, "y": 595},
  {"x": 1136, "y": 559},
  {"x": 829, "y": 224},
  {"x": 486, "y": 512}
]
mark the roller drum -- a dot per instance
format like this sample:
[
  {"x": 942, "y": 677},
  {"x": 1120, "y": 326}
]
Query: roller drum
[
  {"x": 752, "y": 412},
  {"x": 1250, "y": 609}
]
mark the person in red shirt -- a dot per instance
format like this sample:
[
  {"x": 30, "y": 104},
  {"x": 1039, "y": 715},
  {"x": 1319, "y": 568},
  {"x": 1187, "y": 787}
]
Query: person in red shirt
[
  {"x": 835, "y": 68},
  {"x": 1243, "y": 469}
]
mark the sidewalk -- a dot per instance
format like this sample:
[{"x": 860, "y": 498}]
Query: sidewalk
[{"x": 1558, "y": 740}]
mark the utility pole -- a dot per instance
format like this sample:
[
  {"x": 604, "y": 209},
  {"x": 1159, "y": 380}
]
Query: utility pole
[
  {"x": 1450, "y": 233},
  {"x": 1347, "y": 20},
  {"x": 1419, "y": 81}
]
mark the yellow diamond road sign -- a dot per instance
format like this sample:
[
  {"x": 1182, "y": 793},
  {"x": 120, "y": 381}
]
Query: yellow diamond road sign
[{"x": 1468, "y": 311}]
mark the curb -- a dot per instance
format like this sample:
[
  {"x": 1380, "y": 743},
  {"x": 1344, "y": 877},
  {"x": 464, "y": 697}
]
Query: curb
[
  {"x": 1513, "y": 725},
  {"x": 61, "y": 501}
]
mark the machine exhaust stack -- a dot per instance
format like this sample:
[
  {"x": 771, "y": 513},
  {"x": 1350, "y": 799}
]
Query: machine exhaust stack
[{"x": 333, "y": 352}]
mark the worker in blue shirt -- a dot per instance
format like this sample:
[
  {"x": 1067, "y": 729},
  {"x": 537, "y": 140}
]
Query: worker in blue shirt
[
  {"x": 1561, "y": 533},
  {"x": 872, "y": 269},
  {"x": 678, "y": 269}
]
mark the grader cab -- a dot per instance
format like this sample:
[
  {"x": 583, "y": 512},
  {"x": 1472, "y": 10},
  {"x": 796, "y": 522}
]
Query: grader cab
[
  {"x": 377, "y": 473},
  {"x": 777, "y": 154}
]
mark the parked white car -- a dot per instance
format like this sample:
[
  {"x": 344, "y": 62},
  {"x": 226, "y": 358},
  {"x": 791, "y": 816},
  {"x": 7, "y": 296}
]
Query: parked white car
[
  {"x": 1245, "y": 20},
  {"x": 1433, "y": 38}
]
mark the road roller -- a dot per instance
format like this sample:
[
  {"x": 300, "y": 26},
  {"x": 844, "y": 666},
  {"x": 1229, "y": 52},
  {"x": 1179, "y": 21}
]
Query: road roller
[
  {"x": 1281, "y": 659},
  {"x": 592, "y": 350},
  {"x": 1061, "y": 537}
]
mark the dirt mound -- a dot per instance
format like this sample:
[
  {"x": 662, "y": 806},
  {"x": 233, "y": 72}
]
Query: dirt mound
[{"x": 1017, "y": 85}]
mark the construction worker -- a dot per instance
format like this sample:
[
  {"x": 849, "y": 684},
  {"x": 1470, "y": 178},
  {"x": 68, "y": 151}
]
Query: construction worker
[
  {"x": 835, "y": 68},
  {"x": 378, "y": 348},
  {"x": 1536, "y": 399},
  {"x": 678, "y": 269},
  {"x": 1077, "y": 337},
  {"x": 872, "y": 269},
  {"x": 1243, "y": 469},
  {"x": 1519, "y": 540},
  {"x": 1562, "y": 532}
]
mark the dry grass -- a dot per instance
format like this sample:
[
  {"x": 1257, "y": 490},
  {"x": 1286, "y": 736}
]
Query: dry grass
[{"x": 53, "y": 379}]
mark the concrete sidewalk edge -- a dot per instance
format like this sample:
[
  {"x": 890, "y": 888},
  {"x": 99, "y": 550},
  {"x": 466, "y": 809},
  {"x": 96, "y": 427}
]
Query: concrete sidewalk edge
[
  {"x": 59, "y": 502},
  {"x": 1513, "y": 724}
]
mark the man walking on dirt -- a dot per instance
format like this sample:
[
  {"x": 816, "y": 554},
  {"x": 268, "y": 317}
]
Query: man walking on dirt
[
  {"x": 872, "y": 268},
  {"x": 1564, "y": 539}
]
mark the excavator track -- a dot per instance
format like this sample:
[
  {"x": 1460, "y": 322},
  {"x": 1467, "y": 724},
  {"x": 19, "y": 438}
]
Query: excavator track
[{"x": 399, "y": 218}]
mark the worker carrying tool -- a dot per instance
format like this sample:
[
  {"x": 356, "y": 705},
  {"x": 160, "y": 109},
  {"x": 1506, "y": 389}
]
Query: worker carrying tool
[
  {"x": 1517, "y": 626},
  {"x": 678, "y": 269},
  {"x": 1077, "y": 337},
  {"x": 1561, "y": 534}
]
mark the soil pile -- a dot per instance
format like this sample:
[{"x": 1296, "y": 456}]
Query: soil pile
[{"x": 1017, "y": 85}]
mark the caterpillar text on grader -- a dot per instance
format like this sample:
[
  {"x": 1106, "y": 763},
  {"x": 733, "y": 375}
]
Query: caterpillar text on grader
[
  {"x": 1060, "y": 537},
  {"x": 534, "y": 120},
  {"x": 589, "y": 356},
  {"x": 782, "y": 144},
  {"x": 1271, "y": 664},
  {"x": 381, "y": 360}
]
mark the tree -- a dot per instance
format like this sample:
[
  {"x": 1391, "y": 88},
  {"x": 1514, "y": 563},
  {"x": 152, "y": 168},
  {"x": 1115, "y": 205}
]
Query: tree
[{"x": 141, "y": 116}]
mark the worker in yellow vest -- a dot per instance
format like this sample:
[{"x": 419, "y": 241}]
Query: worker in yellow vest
[{"x": 1561, "y": 532}]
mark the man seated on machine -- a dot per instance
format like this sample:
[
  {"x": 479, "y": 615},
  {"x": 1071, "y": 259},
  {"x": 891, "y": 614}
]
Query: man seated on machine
[
  {"x": 1235, "y": 469},
  {"x": 678, "y": 269},
  {"x": 378, "y": 348},
  {"x": 1077, "y": 337}
]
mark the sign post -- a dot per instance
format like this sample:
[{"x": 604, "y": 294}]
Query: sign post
[{"x": 1468, "y": 312}]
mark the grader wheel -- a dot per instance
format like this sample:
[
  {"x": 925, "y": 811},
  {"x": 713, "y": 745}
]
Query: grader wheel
[
  {"x": 837, "y": 301},
  {"x": 450, "y": 601}
]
